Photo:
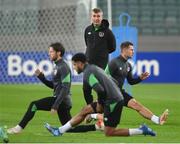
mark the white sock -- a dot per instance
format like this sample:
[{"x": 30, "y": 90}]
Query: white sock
[
  {"x": 135, "y": 131},
  {"x": 18, "y": 127},
  {"x": 65, "y": 127},
  {"x": 155, "y": 119},
  {"x": 94, "y": 116}
]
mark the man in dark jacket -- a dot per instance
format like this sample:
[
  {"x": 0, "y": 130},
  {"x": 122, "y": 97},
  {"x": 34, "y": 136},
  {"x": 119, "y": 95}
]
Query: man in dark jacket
[{"x": 99, "y": 39}]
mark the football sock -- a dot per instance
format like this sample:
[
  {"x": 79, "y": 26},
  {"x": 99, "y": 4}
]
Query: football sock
[
  {"x": 155, "y": 119},
  {"x": 94, "y": 116},
  {"x": 65, "y": 127},
  {"x": 18, "y": 128},
  {"x": 135, "y": 131}
]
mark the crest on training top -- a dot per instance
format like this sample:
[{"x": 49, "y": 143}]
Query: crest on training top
[
  {"x": 55, "y": 72},
  {"x": 101, "y": 34}
]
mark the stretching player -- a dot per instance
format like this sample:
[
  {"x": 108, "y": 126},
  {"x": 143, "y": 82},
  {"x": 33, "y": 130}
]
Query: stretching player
[
  {"x": 60, "y": 102},
  {"x": 119, "y": 68},
  {"x": 110, "y": 101}
]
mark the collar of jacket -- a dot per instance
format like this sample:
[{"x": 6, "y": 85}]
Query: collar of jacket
[
  {"x": 104, "y": 25},
  {"x": 122, "y": 58},
  {"x": 58, "y": 61}
]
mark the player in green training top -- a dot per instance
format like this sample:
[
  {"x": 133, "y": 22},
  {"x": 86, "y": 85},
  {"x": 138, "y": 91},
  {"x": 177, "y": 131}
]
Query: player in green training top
[
  {"x": 120, "y": 69},
  {"x": 110, "y": 101},
  {"x": 60, "y": 102}
]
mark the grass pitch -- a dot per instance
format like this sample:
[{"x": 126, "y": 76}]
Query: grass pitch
[{"x": 14, "y": 100}]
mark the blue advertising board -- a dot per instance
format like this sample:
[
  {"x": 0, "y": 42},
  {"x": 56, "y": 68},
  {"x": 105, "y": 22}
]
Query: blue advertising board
[
  {"x": 19, "y": 67},
  {"x": 164, "y": 67}
]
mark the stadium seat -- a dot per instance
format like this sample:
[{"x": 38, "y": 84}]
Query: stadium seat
[
  {"x": 134, "y": 21},
  {"x": 133, "y": 10},
  {"x": 173, "y": 31},
  {"x": 158, "y": 2},
  {"x": 145, "y": 2},
  {"x": 147, "y": 31},
  {"x": 173, "y": 13},
  {"x": 171, "y": 2},
  {"x": 178, "y": 2},
  {"x": 160, "y": 31},
  {"x": 158, "y": 20},
  {"x": 150, "y": 16},
  {"x": 120, "y": 2},
  {"x": 133, "y": 2},
  {"x": 146, "y": 20}
]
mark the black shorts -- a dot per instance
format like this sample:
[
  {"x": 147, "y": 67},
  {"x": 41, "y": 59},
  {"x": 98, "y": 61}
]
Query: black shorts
[
  {"x": 112, "y": 113},
  {"x": 127, "y": 97}
]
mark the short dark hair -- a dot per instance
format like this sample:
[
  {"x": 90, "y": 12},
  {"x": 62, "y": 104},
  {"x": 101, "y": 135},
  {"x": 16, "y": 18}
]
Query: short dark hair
[
  {"x": 79, "y": 57},
  {"x": 97, "y": 10},
  {"x": 58, "y": 47},
  {"x": 126, "y": 44}
]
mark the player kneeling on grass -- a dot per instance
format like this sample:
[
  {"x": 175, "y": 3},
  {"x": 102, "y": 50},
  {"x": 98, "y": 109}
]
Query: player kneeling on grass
[
  {"x": 120, "y": 69},
  {"x": 110, "y": 101},
  {"x": 60, "y": 102}
]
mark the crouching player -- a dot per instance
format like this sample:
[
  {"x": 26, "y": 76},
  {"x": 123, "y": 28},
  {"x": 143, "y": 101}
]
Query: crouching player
[
  {"x": 120, "y": 69},
  {"x": 110, "y": 101}
]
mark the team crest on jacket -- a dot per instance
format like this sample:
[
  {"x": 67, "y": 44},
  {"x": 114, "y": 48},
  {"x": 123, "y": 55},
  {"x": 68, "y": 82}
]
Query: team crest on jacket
[
  {"x": 55, "y": 72},
  {"x": 101, "y": 34}
]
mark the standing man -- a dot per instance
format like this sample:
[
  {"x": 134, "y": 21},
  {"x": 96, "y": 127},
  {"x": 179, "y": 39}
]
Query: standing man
[
  {"x": 120, "y": 69},
  {"x": 100, "y": 41},
  {"x": 60, "y": 102},
  {"x": 110, "y": 101}
]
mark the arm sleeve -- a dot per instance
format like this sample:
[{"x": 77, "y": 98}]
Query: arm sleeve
[
  {"x": 48, "y": 83},
  {"x": 111, "y": 42},
  {"x": 63, "y": 88},
  {"x": 85, "y": 37},
  {"x": 131, "y": 80},
  {"x": 87, "y": 91}
]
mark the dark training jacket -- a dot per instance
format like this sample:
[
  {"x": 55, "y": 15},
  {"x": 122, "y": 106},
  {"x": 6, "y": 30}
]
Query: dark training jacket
[
  {"x": 61, "y": 83},
  {"x": 120, "y": 69},
  {"x": 99, "y": 44},
  {"x": 106, "y": 89}
]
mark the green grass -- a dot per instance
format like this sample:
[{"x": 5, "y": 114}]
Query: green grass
[{"x": 14, "y": 100}]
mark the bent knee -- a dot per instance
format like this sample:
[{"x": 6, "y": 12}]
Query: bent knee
[
  {"x": 109, "y": 132},
  {"x": 86, "y": 110},
  {"x": 33, "y": 106},
  {"x": 32, "y": 103}
]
